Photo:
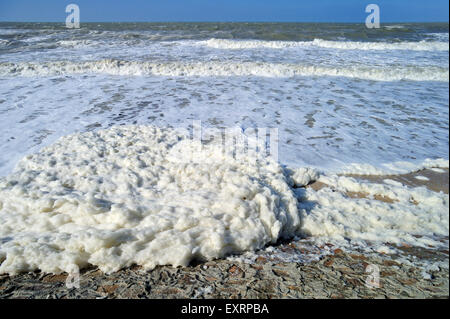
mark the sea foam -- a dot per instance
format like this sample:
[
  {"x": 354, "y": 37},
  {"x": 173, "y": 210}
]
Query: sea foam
[
  {"x": 119, "y": 197},
  {"x": 341, "y": 45},
  {"x": 124, "y": 196},
  {"x": 223, "y": 69}
]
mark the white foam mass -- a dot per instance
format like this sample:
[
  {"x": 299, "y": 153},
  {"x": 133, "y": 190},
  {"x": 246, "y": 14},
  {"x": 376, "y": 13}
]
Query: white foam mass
[
  {"x": 417, "y": 216},
  {"x": 116, "y": 197},
  {"x": 302, "y": 176},
  {"x": 149, "y": 196}
]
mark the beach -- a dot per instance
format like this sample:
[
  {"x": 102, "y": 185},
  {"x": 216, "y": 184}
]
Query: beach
[
  {"x": 327, "y": 272},
  {"x": 224, "y": 160},
  {"x": 340, "y": 275}
]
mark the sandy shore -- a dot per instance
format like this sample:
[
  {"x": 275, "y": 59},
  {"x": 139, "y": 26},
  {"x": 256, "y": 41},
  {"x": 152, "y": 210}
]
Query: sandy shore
[
  {"x": 328, "y": 272},
  {"x": 435, "y": 179},
  {"x": 338, "y": 275}
]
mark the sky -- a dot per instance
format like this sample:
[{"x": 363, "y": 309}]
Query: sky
[{"x": 225, "y": 10}]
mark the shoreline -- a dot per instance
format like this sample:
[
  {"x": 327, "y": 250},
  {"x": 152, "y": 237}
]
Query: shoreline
[
  {"x": 435, "y": 181},
  {"x": 318, "y": 272},
  {"x": 338, "y": 275}
]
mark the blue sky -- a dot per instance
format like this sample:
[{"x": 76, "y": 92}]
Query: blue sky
[{"x": 229, "y": 10}]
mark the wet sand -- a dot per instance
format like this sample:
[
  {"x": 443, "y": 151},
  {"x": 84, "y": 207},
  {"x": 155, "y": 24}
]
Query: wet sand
[
  {"x": 335, "y": 274},
  {"x": 437, "y": 182},
  {"x": 338, "y": 275}
]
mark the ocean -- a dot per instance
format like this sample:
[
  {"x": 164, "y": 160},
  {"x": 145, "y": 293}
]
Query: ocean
[{"x": 89, "y": 127}]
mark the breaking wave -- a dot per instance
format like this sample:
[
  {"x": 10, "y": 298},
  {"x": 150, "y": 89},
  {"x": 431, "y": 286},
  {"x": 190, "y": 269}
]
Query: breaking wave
[
  {"x": 344, "y": 45},
  {"x": 263, "y": 69}
]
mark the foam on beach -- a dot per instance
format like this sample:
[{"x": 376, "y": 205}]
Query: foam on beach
[
  {"x": 121, "y": 196},
  {"x": 414, "y": 216},
  {"x": 124, "y": 196}
]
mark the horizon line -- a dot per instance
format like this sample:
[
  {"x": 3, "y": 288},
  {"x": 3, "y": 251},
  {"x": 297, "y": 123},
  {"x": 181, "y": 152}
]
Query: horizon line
[{"x": 224, "y": 21}]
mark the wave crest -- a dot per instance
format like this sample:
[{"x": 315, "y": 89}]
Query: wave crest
[
  {"x": 263, "y": 69},
  {"x": 343, "y": 45}
]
